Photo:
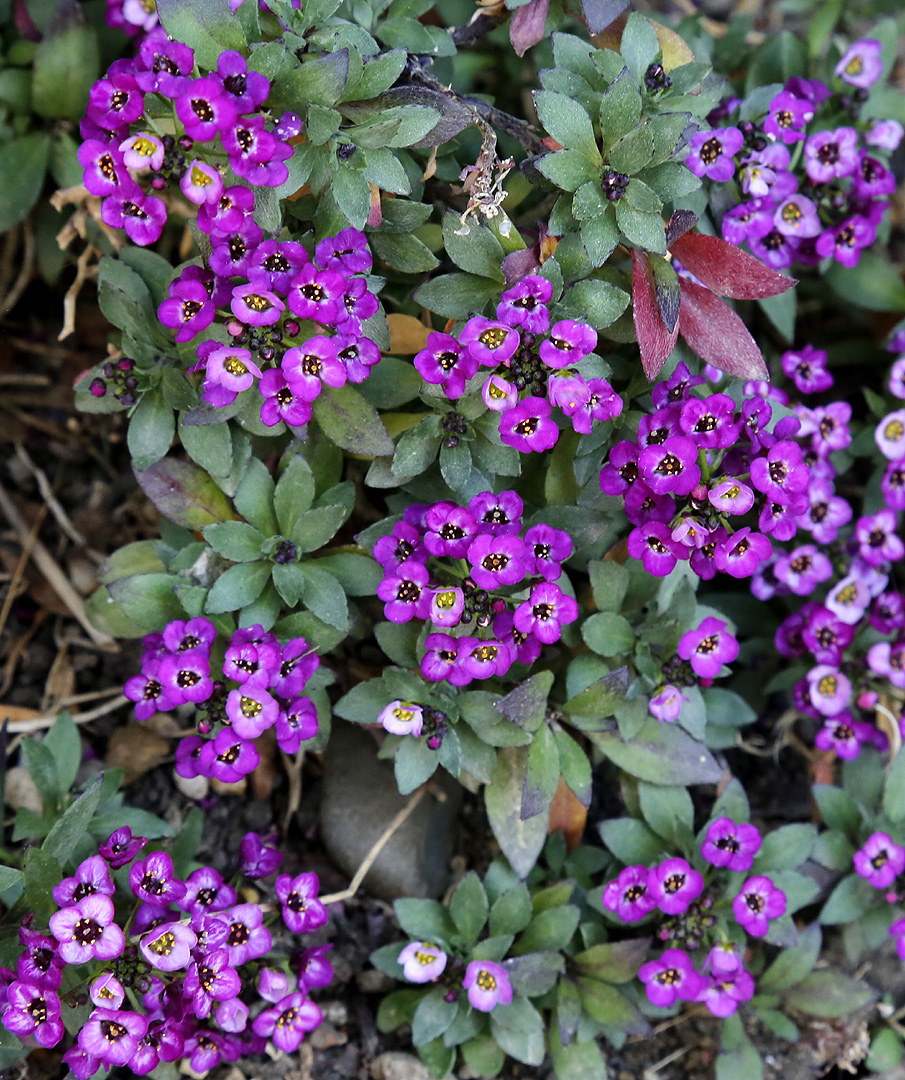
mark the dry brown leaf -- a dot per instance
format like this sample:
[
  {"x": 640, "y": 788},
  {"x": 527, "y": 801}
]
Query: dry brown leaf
[
  {"x": 568, "y": 815},
  {"x": 136, "y": 749},
  {"x": 17, "y": 712},
  {"x": 408, "y": 335}
]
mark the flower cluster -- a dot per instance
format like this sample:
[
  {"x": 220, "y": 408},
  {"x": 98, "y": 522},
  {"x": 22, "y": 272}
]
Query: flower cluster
[
  {"x": 698, "y": 462},
  {"x": 134, "y": 17},
  {"x": 704, "y": 650},
  {"x": 486, "y": 982},
  {"x": 880, "y": 861},
  {"x": 457, "y": 566},
  {"x": 839, "y": 632},
  {"x": 277, "y": 315},
  {"x": 825, "y": 201},
  {"x": 678, "y": 891},
  {"x": 532, "y": 367},
  {"x": 260, "y": 687},
  {"x": 185, "y": 976},
  {"x": 123, "y": 143}
]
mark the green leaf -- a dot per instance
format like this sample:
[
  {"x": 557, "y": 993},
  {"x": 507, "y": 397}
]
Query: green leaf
[
  {"x": 609, "y": 582},
  {"x": 398, "y": 1008},
  {"x": 535, "y": 973},
  {"x": 455, "y": 296},
  {"x": 548, "y": 930},
  {"x": 151, "y": 430},
  {"x": 630, "y": 155},
  {"x": 613, "y": 961},
  {"x": 568, "y": 123},
  {"x": 519, "y": 1030},
  {"x": 184, "y": 493},
  {"x": 568, "y": 169},
  {"x": 293, "y": 494},
  {"x": 512, "y": 911},
  {"x": 600, "y": 238},
  {"x": 351, "y": 423},
  {"x": 574, "y": 766},
  {"x": 42, "y": 768},
  {"x": 319, "y": 81},
  {"x": 598, "y": 701},
  {"x": 378, "y": 74},
  {"x": 794, "y": 963},
  {"x": 469, "y": 907},
  {"x": 254, "y": 497},
  {"x": 43, "y": 871},
  {"x": 236, "y": 587},
  {"x": 520, "y": 840},
  {"x": 207, "y": 27},
  {"x": 608, "y": 634},
  {"x": 894, "y": 790},
  {"x": 646, "y": 231},
  {"x": 785, "y": 848},
  {"x": 414, "y": 765},
  {"x": 526, "y": 705},
  {"x": 596, "y": 302},
  {"x": 541, "y": 774},
  {"x": 289, "y": 582},
  {"x": 73, "y": 825},
  {"x": 425, "y": 920},
  {"x": 829, "y": 994},
  {"x": 873, "y": 284},
  {"x": 620, "y": 109},
  {"x": 432, "y": 1017},
  {"x": 670, "y": 180},
  {"x": 630, "y": 840},
  {"x": 324, "y": 596},
  {"x": 837, "y": 808},
  {"x": 639, "y": 44},
  {"x": 885, "y": 1054},
  {"x": 477, "y": 253},
  {"x": 669, "y": 811},
  {"x": 667, "y": 130},
  {"x": 65, "y": 66},
  {"x": 403, "y": 252},
  {"x": 9, "y": 876},
  {"x": 607, "y": 1005},
  {"x": 455, "y": 466},
  {"x": 661, "y": 754},
  {"x": 65, "y": 744},
  {"x": 353, "y": 195},
  {"x": 483, "y": 1056},
  {"x": 148, "y": 599},
  {"x": 851, "y": 898},
  {"x": 234, "y": 540},
  {"x": 738, "y": 1059},
  {"x": 577, "y": 1061},
  {"x": 22, "y": 166}
]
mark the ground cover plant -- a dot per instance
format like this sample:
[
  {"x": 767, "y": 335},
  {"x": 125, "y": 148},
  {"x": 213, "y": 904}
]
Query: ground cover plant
[{"x": 524, "y": 383}]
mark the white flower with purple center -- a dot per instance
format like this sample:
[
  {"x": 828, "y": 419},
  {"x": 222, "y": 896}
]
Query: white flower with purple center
[
  {"x": 889, "y": 435},
  {"x": 487, "y": 984},
  {"x": 142, "y": 151},
  {"x": 861, "y": 64},
  {"x": 731, "y": 845},
  {"x": 422, "y": 962},
  {"x": 848, "y": 599},
  {"x": 671, "y": 978},
  {"x": 402, "y": 718},
  {"x": 731, "y": 496},
  {"x": 758, "y": 902},
  {"x": 86, "y": 930},
  {"x": 830, "y": 690}
]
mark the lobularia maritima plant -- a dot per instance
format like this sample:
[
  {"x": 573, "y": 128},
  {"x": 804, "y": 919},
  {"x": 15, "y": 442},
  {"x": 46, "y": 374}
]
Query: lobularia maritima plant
[{"x": 419, "y": 388}]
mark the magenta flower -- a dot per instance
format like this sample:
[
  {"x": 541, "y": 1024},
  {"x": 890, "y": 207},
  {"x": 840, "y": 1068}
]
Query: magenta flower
[
  {"x": 528, "y": 426},
  {"x": 302, "y": 911},
  {"x": 546, "y": 611},
  {"x": 121, "y": 847},
  {"x": 878, "y": 538},
  {"x": 671, "y": 978},
  {"x": 497, "y": 514},
  {"x": 897, "y": 931},
  {"x": 846, "y": 241},
  {"x": 653, "y": 544},
  {"x": 258, "y": 859},
  {"x": 287, "y": 1023},
  {"x": 861, "y": 64},
  {"x": 831, "y": 155},
  {"x": 206, "y": 892},
  {"x": 347, "y": 252},
  {"x": 252, "y": 709},
  {"x": 568, "y": 344},
  {"x": 708, "y": 647},
  {"x": 496, "y": 560},
  {"x": 312, "y": 967},
  {"x": 248, "y": 937},
  {"x": 168, "y": 948},
  {"x": 487, "y": 984},
  {"x": 710, "y": 153},
  {"x": 422, "y": 962},
  {"x": 297, "y": 723},
  {"x": 449, "y": 530},
  {"x": 154, "y": 881},
  {"x": 444, "y": 362},
  {"x": 842, "y": 734},
  {"x": 441, "y": 660},
  {"x": 39, "y": 964},
  {"x": 86, "y": 930},
  {"x": 722, "y": 994},
  {"x": 670, "y": 467},
  {"x": 210, "y": 979},
  {"x": 787, "y": 117},
  {"x": 281, "y": 401},
  {"x": 205, "y": 109},
  {"x": 782, "y": 474},
  {"x": 256, "y": 306},
  {"x": 629, "y": 897},
  {"x": 483, "y": 659},
  {"x": 317, "y": 294},
  {"x": 112, "y": 1035},
  {"x": 880, "y": 860},
  {"x": 189, "y": 309},
  {"x": 405, "y": 593},
  {"x": 525, "y": 305},
  {"x": 311, "y": 366},
  {"x": 142, "y": 216},
  {"x": 731, "y": 845},
  {"x": 674, "y": 885},
  {"x": 758, "y": 902},
  {"x": 186, "y": 676},
  {"x": 33, "y": 1010},
  {"x": 546, "y": 549}
]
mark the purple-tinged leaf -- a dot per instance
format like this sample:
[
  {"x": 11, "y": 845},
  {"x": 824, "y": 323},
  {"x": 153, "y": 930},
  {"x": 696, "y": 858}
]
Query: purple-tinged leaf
[
  {"x": 717, "y": 334},
  {"x": 184, "y": 493},
  {"x": 726, "y": 269},
  {"x": 655, "y": 341},
  {"x": 598, "y": 14},
  {"x": 614, "y": 961},
  {"x": 679, "y": 224},
  {"x": 526, "y": 27},
  {"x": 667, "y": 291}
]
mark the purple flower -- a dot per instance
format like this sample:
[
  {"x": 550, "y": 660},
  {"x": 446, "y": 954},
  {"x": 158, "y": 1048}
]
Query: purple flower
[
  {"x": 568, "y": 344},
  {"x": 483, "y": 659},
  {"x": 782, "y": 474},
  {"x": 758, "y": 902},
  {"x": 258, "y": 860},
  {"x": 201, "y": 183},
  {"x": 890, "y": 435},
  {"x": 106, "y": 991},
  {"x": 282, "y": 401},
  {"x": 308, "y": 367},
  {"x": 422, "y": 962},
  {"x": 723, "y": 994},
  {"x": 878, "y": 539},
  {"x": 803, "y": 569},
  {"x": 189, "y": 309},
  {"x": 546, "y": 611},
  {"x": 86, "y": 930},
  {"x": 233, "y": 251},
  {"x": 670, "y": 979},
  {"x": 405, "y": 593},
  {"x": 105, "y": 169},
  {"x": 842, "y": 734},
  {"x": 731, "y": 496},
  {"x": 787, "y": 117},
  {"x": 601, "y": 402},
  {"x": 830, "y": 690},
  {"x": 347, "y": 252},
  {"x": 33, "y": 1010},
  {"x": 402, "y": 718},
  {"x": 313, "y": 968},
  {"x": 248, "y": 89},
  {"x": 181, "y": 635},
  {"x": 525, "y": 648},
  {"x": 498, "y": 394},
  {"x": 248, "y": 937},
  {"x": 861, "y": 64},
  {"x": 275, "y": 264},
  {"x": 115, "y": 103},
  {"x": 888, "y": 661},
  {"x": 442, "y": 661},
  {"x": 670, "y": 467},
  {"x": 546, "y": 549},
  {"x": 205, "y": 109},
  {"x": 652, "y": 542},
  {"x": 497, "y": 514},
  {"x": 252, "y": 709},
  {"x": 897, "y": 931},
  {"x": 496, "y": 560},
  {"x": 449, "y": 530},
  {"x": 142, "y": 216},
  {"x": 880, "y": 860},
  {"x": 525, "y": 305},
  {"x": 831, "y": 155},
  {"x": 206, "y": 892},
  {"x": 888, "y": 612},
  {"x": 121, "y": 847},
  {"x": 825, "y": 635},
  {"x": 186, "y": 676},
  {"x": 91, "y": 876},
  {"x": 168, "y": 65},
  {"x": 297, "y": 723},
  {"x": 487, "y": 984},
  {"x": 797, "y": 217},
  {"x": 228, "y": 757},
  {"x": 845, "y": 241},
  {"x": 666, "y": 704},
  {"x": 528, "y": 426},
  {"x": 210, "y": 979},
  {"x": 740, "y": 555},
  {"x": 446, "y": 363},
  {"x": 887, "y": 134},
  {"x": 630, "y": 897},
  {"x": 848, "y": 599},
  {"x": 39, "y": 964},
  {"x": 317, "y": 294},
  {"x": 112, "y": 1035},
  {"x": 154, "y": 881},
  {"x": 255, "y": 306},
  {"x": 302, "y": 911},
  {"x": 872, "y": 179},
  {"x": 807, "y": 369},
  {"x": 731, "y": 845},
  {"x": 621, "y": 471},
  {"x": 711, "y": 153},
  {"x": 489, "y": 342},
  {"x": 708, "y": 647},
  {"x": 288, "y": 1022},
  {"x": 232, "y": 210},
  {"x": 168, "y": 948},
  {"x": 403, "y": 544},
  {"x": 724, "y": 959},
  {"x": 674, "y": 884}
]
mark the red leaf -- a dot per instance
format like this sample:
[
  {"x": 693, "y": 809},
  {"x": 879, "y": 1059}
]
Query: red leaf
[
  {"x": 526, "y": 27},
  {"x": 728, "y": 270},
  {"x": 717, "y": 334},
  {"x": 654, "y": 340}
]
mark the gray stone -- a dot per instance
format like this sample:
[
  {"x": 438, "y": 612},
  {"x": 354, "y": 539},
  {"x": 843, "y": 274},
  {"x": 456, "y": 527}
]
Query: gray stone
[
  {"x": 360, "y": 799},
  {"x": 396, "y": 1066}
]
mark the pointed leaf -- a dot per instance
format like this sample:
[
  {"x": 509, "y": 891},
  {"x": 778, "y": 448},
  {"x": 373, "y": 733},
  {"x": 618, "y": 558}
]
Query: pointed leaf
[
  {"x": 726, "y": 269},
  {"x": 668, "y": 293},
  {"x": 520, "y": 840},
  {"x": 679, "y": 224},
  {"x": 655, "y": 341},
  {"x": 184, "y": 493},
  {"x": 526, "y": 27},
  {"x": 526, "y": 705},
  {"x": 717, "y": 334}
]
